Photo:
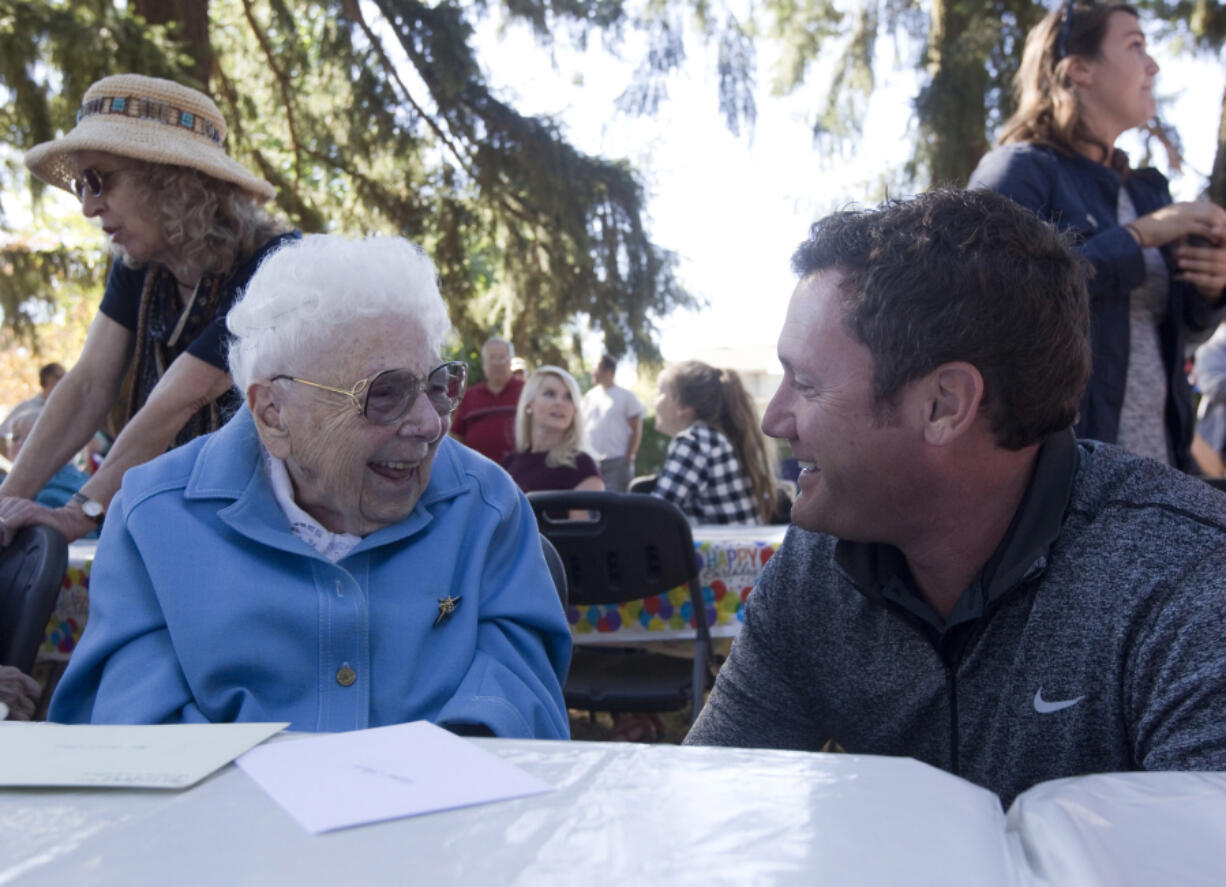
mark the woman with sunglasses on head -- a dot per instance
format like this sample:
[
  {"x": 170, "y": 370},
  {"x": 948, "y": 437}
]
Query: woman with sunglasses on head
[
  {"x": 187, "y": 229},
  {"x": 1159, "y": 268},
  {"x": 330, "y": 557},
  {"x": 549, "y": 436}
]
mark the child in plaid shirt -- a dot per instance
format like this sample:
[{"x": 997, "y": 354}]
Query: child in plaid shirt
[{"x": 717, "y": 470}]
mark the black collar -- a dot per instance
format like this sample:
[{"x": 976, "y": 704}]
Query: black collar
[{"x": 880, "y": 571}]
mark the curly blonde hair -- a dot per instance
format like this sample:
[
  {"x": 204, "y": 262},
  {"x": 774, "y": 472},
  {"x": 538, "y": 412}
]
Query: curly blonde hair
[{"x": 210, "y": 226}]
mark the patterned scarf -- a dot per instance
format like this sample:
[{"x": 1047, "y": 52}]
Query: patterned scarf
[{"x": 164, "y": 329}]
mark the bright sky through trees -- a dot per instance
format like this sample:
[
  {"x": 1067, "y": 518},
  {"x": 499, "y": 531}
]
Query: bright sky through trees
[{"x": 735, "y": 208}]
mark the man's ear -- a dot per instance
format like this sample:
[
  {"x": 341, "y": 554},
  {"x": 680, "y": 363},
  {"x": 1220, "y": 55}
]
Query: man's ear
[
  {"x": 953, "y": 393},
  {"x": 269, "y": 424}
]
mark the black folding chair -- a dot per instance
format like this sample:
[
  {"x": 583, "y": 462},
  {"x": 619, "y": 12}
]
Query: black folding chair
[
  {"x": 31, "y": 573},
  {"x": 644, "y": 483},
  {"x": 633, "y": 547}
]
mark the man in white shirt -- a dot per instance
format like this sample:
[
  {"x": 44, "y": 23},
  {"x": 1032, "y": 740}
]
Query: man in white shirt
[{"x": 613, "y": 423}]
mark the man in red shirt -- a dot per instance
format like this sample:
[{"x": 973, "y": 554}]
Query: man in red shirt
[{"x": 485, "y": 419}]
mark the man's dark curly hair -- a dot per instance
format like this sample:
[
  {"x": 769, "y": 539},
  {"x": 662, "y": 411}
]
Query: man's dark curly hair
[{"x": 964, "y": 276}]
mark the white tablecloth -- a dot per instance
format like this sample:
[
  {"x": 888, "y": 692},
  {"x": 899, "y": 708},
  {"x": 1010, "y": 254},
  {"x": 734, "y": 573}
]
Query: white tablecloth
[{"x": 633, "y": 814}]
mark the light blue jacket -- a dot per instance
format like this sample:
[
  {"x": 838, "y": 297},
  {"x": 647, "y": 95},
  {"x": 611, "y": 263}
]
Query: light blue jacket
[{"x": 205, "y": 607}]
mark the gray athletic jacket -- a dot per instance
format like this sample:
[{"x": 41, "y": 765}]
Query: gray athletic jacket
[{"x": 1094, "y": 640}]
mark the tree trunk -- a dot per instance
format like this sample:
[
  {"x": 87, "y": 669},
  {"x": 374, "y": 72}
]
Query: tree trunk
[
  {"x": 192, "y": 20},
  {"x": 951, "y": 108},
  {"x": 1217, "y": 178}
]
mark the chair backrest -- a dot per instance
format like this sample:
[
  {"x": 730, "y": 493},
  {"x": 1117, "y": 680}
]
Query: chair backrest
[
  {"x": 557, "y": 571},
  {"x": 31, "y": 573},
  {"x": 644, "y": 483},
  {"x": 633, "y": 545}
]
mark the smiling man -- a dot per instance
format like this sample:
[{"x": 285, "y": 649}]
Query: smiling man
[{"x": 965, "y": 582}]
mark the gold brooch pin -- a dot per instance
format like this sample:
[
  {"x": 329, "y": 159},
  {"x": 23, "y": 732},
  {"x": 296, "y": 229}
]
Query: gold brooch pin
[{"x": 446, "y": 606}]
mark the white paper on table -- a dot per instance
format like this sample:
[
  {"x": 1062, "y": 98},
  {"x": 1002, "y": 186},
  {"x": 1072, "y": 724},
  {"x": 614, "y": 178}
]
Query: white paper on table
[
  {"x": 347, "y": 779},
  {"x": 115, "y": 756}
]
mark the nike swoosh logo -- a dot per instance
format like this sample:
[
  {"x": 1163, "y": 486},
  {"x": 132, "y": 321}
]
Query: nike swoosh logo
[{"x": 1043, "y": 707}]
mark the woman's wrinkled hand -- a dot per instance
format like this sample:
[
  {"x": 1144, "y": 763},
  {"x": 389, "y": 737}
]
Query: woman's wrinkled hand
[
  {"x": 19, "y": 692},
  {"x": 1176, "y": 221},
  {"x": 16, "y": 513}
]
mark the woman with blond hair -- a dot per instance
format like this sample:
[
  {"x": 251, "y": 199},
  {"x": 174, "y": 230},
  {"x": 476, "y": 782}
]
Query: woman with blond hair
[
  {"x": 717, "y": 470},
  {"x": 549, "y": 436},
  {"x": 147, "y": 158},
  {"x": 1159, "y": 267}
]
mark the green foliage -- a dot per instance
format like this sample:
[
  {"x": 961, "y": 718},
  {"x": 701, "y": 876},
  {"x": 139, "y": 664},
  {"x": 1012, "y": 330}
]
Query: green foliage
[
  {"x": 1193, "y": 25},
  {"x": 652, "y": 449},
  {"x": 35, "y": 281},
  {"x": 968, "y": 51},
  {"x": 387, "y": 126}
]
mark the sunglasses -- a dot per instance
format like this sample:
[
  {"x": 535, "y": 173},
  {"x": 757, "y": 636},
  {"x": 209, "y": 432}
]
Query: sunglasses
[
  {"x": 91, "y": 181},
  {"x": 387, "y": 397},
  {"x": 1066, "y": 31}
]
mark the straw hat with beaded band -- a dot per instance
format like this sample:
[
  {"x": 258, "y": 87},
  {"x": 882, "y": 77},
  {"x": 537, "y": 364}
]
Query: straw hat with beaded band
[{"x": 146, "y": 118}]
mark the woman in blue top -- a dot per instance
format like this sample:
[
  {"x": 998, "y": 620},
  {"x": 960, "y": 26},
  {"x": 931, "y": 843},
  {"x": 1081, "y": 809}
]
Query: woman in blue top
[
  {"x": 1159, "y": 267},
  {"x": 330, "y": 557},
  {"x": 187, "y": 227}
]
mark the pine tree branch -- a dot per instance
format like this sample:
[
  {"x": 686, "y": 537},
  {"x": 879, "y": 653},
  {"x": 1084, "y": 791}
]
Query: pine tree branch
[
  {"x": 282, "y": 81},
  {"x": 386, "y": 63}
]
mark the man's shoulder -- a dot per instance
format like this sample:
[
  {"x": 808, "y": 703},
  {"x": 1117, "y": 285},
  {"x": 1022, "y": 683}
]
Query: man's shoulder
[
  {"x": 475, "y": 392},
  {"x": 804, "y": 562},
  {"x": 1125, "y": 509},
  {"x": 476, "y": 396},
  {"x": 627, "y": 398},
  {"x": 1117, "y": 486}
]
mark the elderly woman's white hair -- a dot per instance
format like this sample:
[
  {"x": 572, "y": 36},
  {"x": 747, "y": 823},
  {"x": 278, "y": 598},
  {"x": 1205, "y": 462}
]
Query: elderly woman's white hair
[
  {"x": 572, "y": 441},
  {"x": 308, "y": 289}
]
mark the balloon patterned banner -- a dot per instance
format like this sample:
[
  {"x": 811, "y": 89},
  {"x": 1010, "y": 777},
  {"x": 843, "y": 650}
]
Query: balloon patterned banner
[{"x": 730, "y": 560}]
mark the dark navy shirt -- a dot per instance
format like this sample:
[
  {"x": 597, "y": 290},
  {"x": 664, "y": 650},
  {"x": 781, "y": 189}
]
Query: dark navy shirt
[
  {"x": 1081, "y": 197},
  {"x": 121, "y": 302}
]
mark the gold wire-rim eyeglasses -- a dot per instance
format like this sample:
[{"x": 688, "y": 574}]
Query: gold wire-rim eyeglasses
[{"x": 451, "y": 391}]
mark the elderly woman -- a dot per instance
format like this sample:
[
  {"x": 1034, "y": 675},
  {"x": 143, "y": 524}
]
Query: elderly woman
[
  {"x": 548, "y": 436},
  {"x": 147, "y": 159},
  {"x": 330, "y": 557}
]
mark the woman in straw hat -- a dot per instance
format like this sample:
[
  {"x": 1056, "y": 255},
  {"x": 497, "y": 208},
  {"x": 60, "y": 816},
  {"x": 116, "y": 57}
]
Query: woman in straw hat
[{"x": 147, "y": 159}]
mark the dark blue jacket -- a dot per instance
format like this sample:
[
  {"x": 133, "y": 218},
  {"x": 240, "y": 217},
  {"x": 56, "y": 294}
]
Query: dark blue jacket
[{"x": 1080, "y": 196}]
